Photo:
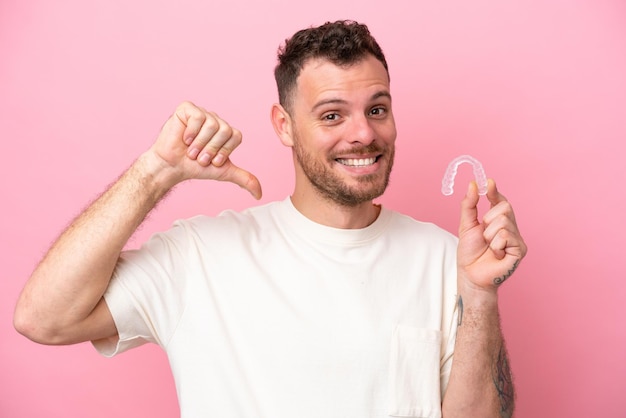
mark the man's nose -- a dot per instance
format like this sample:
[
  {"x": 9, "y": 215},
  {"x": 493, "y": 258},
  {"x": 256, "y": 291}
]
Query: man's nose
[{"x": 361, "y": 130}]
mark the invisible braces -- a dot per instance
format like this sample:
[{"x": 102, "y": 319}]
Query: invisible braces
[{"x": 479, "y": 173}]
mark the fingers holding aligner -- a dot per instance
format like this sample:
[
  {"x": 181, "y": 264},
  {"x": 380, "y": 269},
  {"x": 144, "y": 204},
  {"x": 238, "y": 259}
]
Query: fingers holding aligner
[{"x": 501, "y": 231}]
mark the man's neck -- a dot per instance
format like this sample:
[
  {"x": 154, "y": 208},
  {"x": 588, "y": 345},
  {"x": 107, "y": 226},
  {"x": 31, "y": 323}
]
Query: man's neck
[{"x": 326, "y": 212}]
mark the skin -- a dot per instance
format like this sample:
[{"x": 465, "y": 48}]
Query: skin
[
  {"x": 488, "y": 253},
  {"x": 339, "y": 114},
  {"x": 62, "y": 301}
]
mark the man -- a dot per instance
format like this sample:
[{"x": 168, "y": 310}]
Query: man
[{"x": 322, "y": 305}]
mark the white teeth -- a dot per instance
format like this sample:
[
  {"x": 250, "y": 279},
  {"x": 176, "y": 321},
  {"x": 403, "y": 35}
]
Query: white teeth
[{"x": 356, "y": 162}]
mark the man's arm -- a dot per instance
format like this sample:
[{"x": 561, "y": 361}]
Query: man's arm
[
  {"x": 489, "y": 252},
  {"x": 62, "y": 301}
]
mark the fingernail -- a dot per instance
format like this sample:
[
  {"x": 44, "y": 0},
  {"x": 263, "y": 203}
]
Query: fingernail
[
  {"x": 204, "y": 159},
  {"x": 218, "y": 160},
  {"x": 193, "y": 153}
]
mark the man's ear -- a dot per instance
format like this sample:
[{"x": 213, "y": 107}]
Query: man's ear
[{"x": 283, "y": 126}]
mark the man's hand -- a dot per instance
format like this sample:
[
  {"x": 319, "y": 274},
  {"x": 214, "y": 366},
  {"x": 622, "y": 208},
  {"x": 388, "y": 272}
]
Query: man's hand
[
  {"x": 488, "y": 252},
  {"x": 62, "y": 302},
  {"x": 196, "y": 144}
]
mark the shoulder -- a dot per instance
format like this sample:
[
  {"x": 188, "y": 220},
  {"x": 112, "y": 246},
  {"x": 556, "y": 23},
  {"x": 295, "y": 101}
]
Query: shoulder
[
  {"x": 229, "y": 224},
  {"x": 202, "y": 234},
  {"x": 402, "y": 224},
  {"x": 231, "y": 218}
]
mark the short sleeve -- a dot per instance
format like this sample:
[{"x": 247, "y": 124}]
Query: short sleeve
[{"x": 147, "y": 292}]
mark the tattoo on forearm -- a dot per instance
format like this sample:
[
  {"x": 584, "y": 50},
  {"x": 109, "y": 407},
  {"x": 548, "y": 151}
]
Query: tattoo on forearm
[
  {"x": 503, "y": 381},
  {"x": 460, "y": 314},
  {"x": 501, "y": 279}
]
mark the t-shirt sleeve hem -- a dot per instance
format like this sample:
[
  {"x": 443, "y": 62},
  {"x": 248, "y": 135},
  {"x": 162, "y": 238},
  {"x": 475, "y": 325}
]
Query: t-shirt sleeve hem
[
  {"x": 122, "y": 312},
  {"x": 110, "y": 347}
]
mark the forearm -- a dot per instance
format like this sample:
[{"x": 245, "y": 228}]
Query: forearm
[
  {"x": 480, "y": 382},
  {"x": 71, "y": 279}
]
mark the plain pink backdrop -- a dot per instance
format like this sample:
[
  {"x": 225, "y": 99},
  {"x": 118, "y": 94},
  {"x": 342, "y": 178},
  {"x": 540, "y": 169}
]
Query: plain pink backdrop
[{"x": 535, "y": 89}]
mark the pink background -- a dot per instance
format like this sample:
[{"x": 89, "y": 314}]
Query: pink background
[{"x": 535, "y": 89}]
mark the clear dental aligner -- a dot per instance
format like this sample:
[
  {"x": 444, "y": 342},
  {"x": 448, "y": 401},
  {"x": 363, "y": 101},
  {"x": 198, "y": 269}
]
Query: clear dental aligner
[{"x": 479, "y": 173}]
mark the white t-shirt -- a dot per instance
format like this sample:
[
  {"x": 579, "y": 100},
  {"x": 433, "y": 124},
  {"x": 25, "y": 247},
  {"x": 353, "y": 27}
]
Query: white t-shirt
[{"x": 264, "y": 313}]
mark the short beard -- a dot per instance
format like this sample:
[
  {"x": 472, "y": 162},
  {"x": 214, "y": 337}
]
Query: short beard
[{"x": 333, "y": 188}]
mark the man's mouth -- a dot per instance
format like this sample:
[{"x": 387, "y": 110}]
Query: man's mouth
[{"x": 357, "y": 162}]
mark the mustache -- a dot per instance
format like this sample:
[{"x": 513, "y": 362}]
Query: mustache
[{"x": 369, "y": 149}]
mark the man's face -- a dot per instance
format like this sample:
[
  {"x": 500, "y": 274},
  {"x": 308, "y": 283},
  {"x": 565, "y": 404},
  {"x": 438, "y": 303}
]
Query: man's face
[{"x": 343, "y": 130}]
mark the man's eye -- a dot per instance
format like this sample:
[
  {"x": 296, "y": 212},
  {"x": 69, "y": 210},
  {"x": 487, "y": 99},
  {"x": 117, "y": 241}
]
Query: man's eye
[
  {"x": 377, "y": 111},
  {"x": 331, "y": 117}
]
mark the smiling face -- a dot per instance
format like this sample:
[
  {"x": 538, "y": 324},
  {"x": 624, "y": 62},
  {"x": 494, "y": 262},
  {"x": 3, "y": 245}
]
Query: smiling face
[{"x": 343, "y": 131}]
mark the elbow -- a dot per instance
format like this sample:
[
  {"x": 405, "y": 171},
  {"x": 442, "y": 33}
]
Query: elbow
[
  {"x": 25, "y": 325},
  {"x": 30, "y": 326}
]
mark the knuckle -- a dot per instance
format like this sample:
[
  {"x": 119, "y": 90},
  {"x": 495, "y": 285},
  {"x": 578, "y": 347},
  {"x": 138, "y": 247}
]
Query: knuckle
[
  {"x": 211, "y": 123},
  {"x": 225, "y": 130},
  {"x": 524, "y": 249},
  {"x": 185, "y": 104},
  {"x": 210, "y": 149},
  {"x": 504, "y": 218},
  {"x": 237, "y": 135},
  {"x": 507, "y": 208},
  {"x": 227, "y": 150},
  {"x": 188, "y": 108},
  {"x": 504, "y": 234}
]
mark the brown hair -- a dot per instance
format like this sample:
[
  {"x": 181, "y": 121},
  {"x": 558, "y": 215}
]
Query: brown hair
[{"x": 343, "y": 43}]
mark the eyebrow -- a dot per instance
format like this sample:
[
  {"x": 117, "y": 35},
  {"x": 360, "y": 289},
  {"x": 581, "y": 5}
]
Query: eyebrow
[{"x": 375, "y": 96}]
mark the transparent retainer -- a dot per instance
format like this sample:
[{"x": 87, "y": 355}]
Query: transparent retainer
[{"x": 447, "y": 183}]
